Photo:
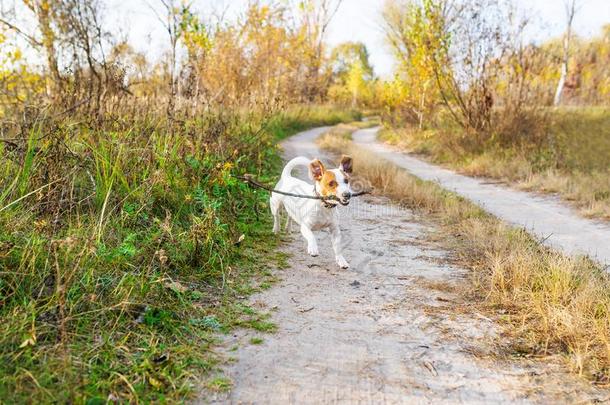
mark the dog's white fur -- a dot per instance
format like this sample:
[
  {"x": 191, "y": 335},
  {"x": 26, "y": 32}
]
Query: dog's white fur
[{"x": 311, "y": 215}]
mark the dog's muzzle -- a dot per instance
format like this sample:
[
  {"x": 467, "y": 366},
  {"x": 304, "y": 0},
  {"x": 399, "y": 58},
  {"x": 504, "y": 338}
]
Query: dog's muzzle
[{"x": 345, "y": 198}]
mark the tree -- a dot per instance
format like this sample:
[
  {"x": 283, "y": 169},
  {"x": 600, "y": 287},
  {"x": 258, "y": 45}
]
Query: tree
[
  {"x": 45, "y": 37},
  {"x": 197, "y": 40},
  {"x": 80, "y": 26},
  {"x": 352, "y": 74},
  {"x": 418, "y": 34},
  {"x": 171, "y": 19},
  {"x": 570, "y": 8},
  {"x": 316, "y": 16},
  {"x": 452, "y": 51},
  {"x": 356, "y": 81},
  {"x": 344, "y": 56}
]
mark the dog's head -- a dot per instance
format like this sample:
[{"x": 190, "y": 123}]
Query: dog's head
[{"x": 333, "y": 182}]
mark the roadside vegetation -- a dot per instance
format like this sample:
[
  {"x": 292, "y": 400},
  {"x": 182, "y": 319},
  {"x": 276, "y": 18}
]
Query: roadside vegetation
[
  {"x": 121, "y": 251},
  {"x": 549, "y": 303},
  {"x": 126, "y": 242}
]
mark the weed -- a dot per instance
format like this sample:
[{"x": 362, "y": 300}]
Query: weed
[
  {"x": 256, "y": 341},
  {"x": 221, "y": 384},
  {"x": 264, "y": 285}
]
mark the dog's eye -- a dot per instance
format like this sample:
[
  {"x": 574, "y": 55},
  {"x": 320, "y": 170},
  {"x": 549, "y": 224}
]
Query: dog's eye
[
  {"x": 345, "y": 181},
  {"x": 332, "y": 183}
]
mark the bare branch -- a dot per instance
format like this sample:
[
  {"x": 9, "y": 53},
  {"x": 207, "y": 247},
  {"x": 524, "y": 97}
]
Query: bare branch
[{"x": 31, "y": 40}]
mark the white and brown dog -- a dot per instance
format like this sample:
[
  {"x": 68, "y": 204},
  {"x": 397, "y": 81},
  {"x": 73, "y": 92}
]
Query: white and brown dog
[{"x": 310, "y": 214}]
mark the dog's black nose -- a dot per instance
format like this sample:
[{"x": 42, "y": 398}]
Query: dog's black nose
[{"x": 347, "y": 194}]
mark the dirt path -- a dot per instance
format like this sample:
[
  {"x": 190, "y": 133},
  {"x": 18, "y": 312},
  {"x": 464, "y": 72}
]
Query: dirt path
[
  {"x": 546, "y": 217},
  {"x": 385, "y": 331}
]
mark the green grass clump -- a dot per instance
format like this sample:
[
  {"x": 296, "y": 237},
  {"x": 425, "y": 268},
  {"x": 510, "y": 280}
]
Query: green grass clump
[
  {"x": 257, "y": 340},
  {"x": 120, "y": 251},
  {"x": 221, "y": 384}
]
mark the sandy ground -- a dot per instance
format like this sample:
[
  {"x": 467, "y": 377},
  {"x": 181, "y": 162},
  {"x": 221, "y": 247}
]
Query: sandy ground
[
  {"x": 546, "y": 217},
  {"x": 390, "y": 329}
]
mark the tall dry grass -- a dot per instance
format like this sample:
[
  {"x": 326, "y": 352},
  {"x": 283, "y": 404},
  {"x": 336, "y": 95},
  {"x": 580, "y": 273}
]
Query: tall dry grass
[
  {"x": 567, "y": 153},
  {"x": 550, "y": 303}
]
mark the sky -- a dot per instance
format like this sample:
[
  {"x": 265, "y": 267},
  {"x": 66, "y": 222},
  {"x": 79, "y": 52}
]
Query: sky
[{"x": 358, "y": 20}]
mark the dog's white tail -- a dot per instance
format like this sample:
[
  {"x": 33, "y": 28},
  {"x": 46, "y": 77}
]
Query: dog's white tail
[{"x": 297, "y": 161}]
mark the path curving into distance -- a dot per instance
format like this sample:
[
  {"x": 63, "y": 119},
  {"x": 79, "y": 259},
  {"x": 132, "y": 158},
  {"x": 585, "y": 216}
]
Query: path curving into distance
[
  {"x": 544, "y": 217},
  {"x": 391, "y": 329}
]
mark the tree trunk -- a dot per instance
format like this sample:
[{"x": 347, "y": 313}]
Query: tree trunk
[
  {"x": 561, "y": 83},
  {"x": 48, "y": 41},
  {"x": 570, "y": 11}
]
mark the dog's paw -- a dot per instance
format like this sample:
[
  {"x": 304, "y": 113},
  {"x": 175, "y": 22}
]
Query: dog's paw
[
  {"x": 313, "y": 251},
  {"x": 342, "y": 262}
]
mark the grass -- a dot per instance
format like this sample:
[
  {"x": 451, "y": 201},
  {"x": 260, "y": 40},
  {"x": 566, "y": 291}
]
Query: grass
[
  {"x": 568, "y": 157},
  {"x": 221, "y": 384},
  {"x": 550, "y": 303},
  {"x": 121, "y": 256}
]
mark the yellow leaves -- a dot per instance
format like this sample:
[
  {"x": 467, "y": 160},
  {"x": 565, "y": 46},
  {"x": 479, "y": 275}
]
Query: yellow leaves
[
  {"x": 11, "y": 86},
  {"x": 194, "y": 34},
  {"x": 307, "y": 6},
  {"x": 264, "y": 12}
]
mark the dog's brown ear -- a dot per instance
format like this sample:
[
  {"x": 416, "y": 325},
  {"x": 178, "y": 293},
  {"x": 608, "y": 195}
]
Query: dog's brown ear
[
  {"x": 316, "y": 170},
  {"x": 346, "y": 164}
]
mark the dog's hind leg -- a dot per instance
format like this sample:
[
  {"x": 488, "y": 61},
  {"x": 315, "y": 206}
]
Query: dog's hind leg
[
  {"x": 275, "y": 204},
  {"x": 289, "y": 222}
]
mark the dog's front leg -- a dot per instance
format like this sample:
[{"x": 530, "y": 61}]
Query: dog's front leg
[
  {"x": 335, "y": 235},
  {"x": 312, "y": 245}
]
